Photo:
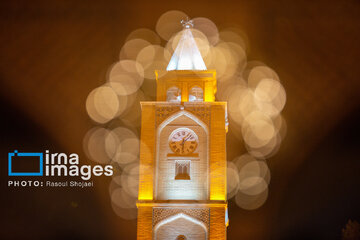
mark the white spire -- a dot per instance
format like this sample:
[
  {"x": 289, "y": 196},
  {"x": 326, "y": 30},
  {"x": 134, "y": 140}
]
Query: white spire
[{"x": 187, "y": 55}]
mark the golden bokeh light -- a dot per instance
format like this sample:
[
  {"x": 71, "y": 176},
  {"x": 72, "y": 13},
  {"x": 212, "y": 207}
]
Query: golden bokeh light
[
  {"x": 235, "y": 55},
  {"x": 251, "y": 202},
  {"x": 255, "y": 168},
  {"x": 115, "y": 183},
  {"x": 151, "y": 58},
  {"x": 102, "y": 104},
  {"x": 216, "y": 59},
  {"x": 208, "y": 27},
  {"x": 131, "y": 48},
  {"x": 259, "y": 73},
  {"x": 168, "y": 23},
  {"x": 145, "y": 34},
  {"x": 283, "y": 127},
  {"x": 276, "y": 105},
  {"x": 126, "y": 77},
  {"x": 230, "y": 63},
  {"x": 130, "y": 180},
  {"x": 122, "y": 145},
  {"x": 253, "y": 185},
  {"x": 234, "y": 35},
  {"x": 133, "y": 113},
  {"x": 232, "y": 179},
  {"x": 227, "y": 85},
  {"x": 267, "y": 90},
  {"x": 123, "y": 204},
  {"x": 252, "y": 178},
  {"x": 254, "y": 94},
  {"x": 240, "y": 103},
  {"x": 257, "y": 129},
  {"x": 121, "y": 198},
  {"x": 91, "y": 110},
  {"x": 94, "y": 145},
  {"x": 267, "y": 150},
  {"x": 242, "y": 160}
]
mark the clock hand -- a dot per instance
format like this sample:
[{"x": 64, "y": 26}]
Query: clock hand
[
  {"x": 183, "y": 142},
  {"x": 189, "y": 136},
  {"x": 186, "y": 137}
]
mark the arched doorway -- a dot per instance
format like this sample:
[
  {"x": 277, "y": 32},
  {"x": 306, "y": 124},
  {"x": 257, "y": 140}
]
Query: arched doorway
[
  {"x": 180, "y": 227},
  {"x": 181, "y": 237}
]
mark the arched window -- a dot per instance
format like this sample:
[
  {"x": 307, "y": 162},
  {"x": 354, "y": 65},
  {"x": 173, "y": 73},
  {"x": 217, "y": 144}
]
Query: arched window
[
  {"x": 182, "y": 170},
  {"x": 196, "y": 94},
  {"x": 173, "y": 94}
]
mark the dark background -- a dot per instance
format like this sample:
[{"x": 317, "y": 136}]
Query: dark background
[{"x": 53, "y": 53}]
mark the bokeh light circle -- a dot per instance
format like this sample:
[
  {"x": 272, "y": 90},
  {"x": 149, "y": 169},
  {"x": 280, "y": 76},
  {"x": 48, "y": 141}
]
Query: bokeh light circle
[
  {"x": 102, "y": 104},
  {"x": 169, "y": 23}
]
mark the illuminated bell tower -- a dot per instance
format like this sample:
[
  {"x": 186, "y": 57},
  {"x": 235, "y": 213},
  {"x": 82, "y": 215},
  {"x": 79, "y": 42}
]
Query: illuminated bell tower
[{"x": 182, "y": 183}]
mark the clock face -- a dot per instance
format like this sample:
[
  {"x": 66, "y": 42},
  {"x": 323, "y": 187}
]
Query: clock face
[{"x": 183, "y": 141}]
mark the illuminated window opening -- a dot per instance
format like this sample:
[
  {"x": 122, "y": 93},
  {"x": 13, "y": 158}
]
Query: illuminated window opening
[
  {"x": 196, "y": 94},
  {"x": 182, "y": 170},
  {"x": 173, "y": 94}
]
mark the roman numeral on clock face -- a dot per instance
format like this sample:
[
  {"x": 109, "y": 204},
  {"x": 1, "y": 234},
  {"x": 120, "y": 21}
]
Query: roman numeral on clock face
[{"x": 183, "y": 141}]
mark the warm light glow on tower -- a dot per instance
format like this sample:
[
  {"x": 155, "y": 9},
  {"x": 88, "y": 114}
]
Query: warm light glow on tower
[
  {"x": 202, "y": 62},
  {"x": 185, "y": 95},
  {"x": 182, "y": 182}
]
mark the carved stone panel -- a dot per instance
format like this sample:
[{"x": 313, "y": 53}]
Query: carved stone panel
[
  {"x": 163, "y": 112},
  {"x": 201, "y": 111},
  {"x": 201, "y": 214}
]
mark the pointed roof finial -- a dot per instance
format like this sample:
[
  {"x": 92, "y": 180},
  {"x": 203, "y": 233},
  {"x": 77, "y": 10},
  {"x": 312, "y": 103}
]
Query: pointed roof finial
[
  {"x": 187, "y": 23},
  {"x": 186, "y": 55}
]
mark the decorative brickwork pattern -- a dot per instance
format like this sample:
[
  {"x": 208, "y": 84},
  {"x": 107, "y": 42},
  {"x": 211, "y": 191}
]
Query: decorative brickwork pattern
[
  {"x": 201, "y": 214},
  {"x": 201, "y": 111},
  {"x": 163, "y": 112}
]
